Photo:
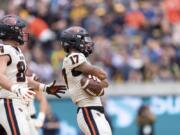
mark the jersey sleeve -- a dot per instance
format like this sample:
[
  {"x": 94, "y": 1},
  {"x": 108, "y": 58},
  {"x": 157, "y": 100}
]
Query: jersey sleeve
[
  {"x": 74, "y": 60},
  {"x": 5, "y": 50}
]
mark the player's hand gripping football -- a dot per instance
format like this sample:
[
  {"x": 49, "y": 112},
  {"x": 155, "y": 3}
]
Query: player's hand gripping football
[{"x": 55, "y": 89}]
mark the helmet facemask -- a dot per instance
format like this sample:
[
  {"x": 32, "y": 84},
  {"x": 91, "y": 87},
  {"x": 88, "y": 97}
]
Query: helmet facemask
[
  {"x": 86, "y": 45},
  {"x": 24, "y": 36}
]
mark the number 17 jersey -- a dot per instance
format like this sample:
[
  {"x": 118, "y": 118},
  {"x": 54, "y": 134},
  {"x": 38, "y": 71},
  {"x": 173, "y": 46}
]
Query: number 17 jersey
[
  {"x": 73, "y": 78},
  {"x": 15, "y": 70}
]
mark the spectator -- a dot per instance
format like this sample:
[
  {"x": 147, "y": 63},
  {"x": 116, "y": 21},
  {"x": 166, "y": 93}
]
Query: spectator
[
  {"x": 51, "y": 124},
  {"x": 41, "y": 66},
  {"x": 145, "y": 121}
]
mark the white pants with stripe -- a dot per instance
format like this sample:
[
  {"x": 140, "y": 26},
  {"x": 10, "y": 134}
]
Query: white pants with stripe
[
  {"x": 15, "y": 118},
  {"x": 93, "y": 122}
]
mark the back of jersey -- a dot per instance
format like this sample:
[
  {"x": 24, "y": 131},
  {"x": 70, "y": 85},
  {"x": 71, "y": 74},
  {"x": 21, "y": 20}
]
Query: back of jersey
[
  {"x": 16, "y": 68},
  {"x": 72, "y": 79}
]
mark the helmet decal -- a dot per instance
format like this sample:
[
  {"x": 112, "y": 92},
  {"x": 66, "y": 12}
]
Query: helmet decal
[{"x": 10, "y": 21}]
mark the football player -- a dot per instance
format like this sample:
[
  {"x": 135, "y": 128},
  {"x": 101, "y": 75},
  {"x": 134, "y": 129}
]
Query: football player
[
  {"x": 37, "y": 121},
  {"x": 16, "y": 88},
  {"x": 78, "y": 45}
]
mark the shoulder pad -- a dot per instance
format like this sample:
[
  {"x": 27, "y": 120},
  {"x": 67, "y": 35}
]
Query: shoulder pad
[
  {"x": 74, "y": 60},
  {"x": 5, "y": 49}
]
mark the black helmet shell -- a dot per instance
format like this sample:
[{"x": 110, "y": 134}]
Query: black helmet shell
[
  {"x": 78, "y": 38},
  {"x": 11, "y": 28}
]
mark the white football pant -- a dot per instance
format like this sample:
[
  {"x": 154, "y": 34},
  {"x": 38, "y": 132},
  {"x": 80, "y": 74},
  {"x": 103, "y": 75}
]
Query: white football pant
[
  {"x": 15, "y": 118},
  {"x": 93, "y": 122}
]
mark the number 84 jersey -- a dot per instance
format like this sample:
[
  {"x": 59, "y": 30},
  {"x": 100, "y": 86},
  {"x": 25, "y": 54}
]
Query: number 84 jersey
[{"x": 15, "y": 70}]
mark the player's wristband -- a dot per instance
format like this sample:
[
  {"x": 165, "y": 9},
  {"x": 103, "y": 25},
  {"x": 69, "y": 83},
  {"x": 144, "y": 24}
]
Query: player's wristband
[
  {"x": 41, "y": 116},
  {"x": 40, "y": 120},
  {"x": 42, "y": 87}
]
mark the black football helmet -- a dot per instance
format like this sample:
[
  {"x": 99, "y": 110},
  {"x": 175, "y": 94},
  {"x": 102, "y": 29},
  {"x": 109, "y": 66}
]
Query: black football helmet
[
  {"x": 77, "y": 38},
  {"x": 11, "y": 28}
]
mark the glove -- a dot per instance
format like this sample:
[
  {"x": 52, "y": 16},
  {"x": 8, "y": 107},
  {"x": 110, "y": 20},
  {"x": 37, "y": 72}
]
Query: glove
[
  {"x": 40, "y": 120},
  {"x": 53, "y": 89},
  {"x": 23, "y": 92}
]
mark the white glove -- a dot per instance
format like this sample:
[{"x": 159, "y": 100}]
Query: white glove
[
  {"x": 23, "y": 92},
  {"x": 40, "y": 120}
]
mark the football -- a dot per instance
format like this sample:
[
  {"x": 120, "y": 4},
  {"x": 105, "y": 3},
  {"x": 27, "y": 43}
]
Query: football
[{"x": 91, "y": 84}]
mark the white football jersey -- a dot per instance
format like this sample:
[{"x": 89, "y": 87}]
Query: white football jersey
[
  {"x": 15, "y": 69},
  {"x": 72, "y": 79}
]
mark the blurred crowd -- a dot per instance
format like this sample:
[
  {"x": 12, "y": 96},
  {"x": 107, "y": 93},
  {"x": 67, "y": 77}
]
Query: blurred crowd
[{"x": 136, "y": 40}]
